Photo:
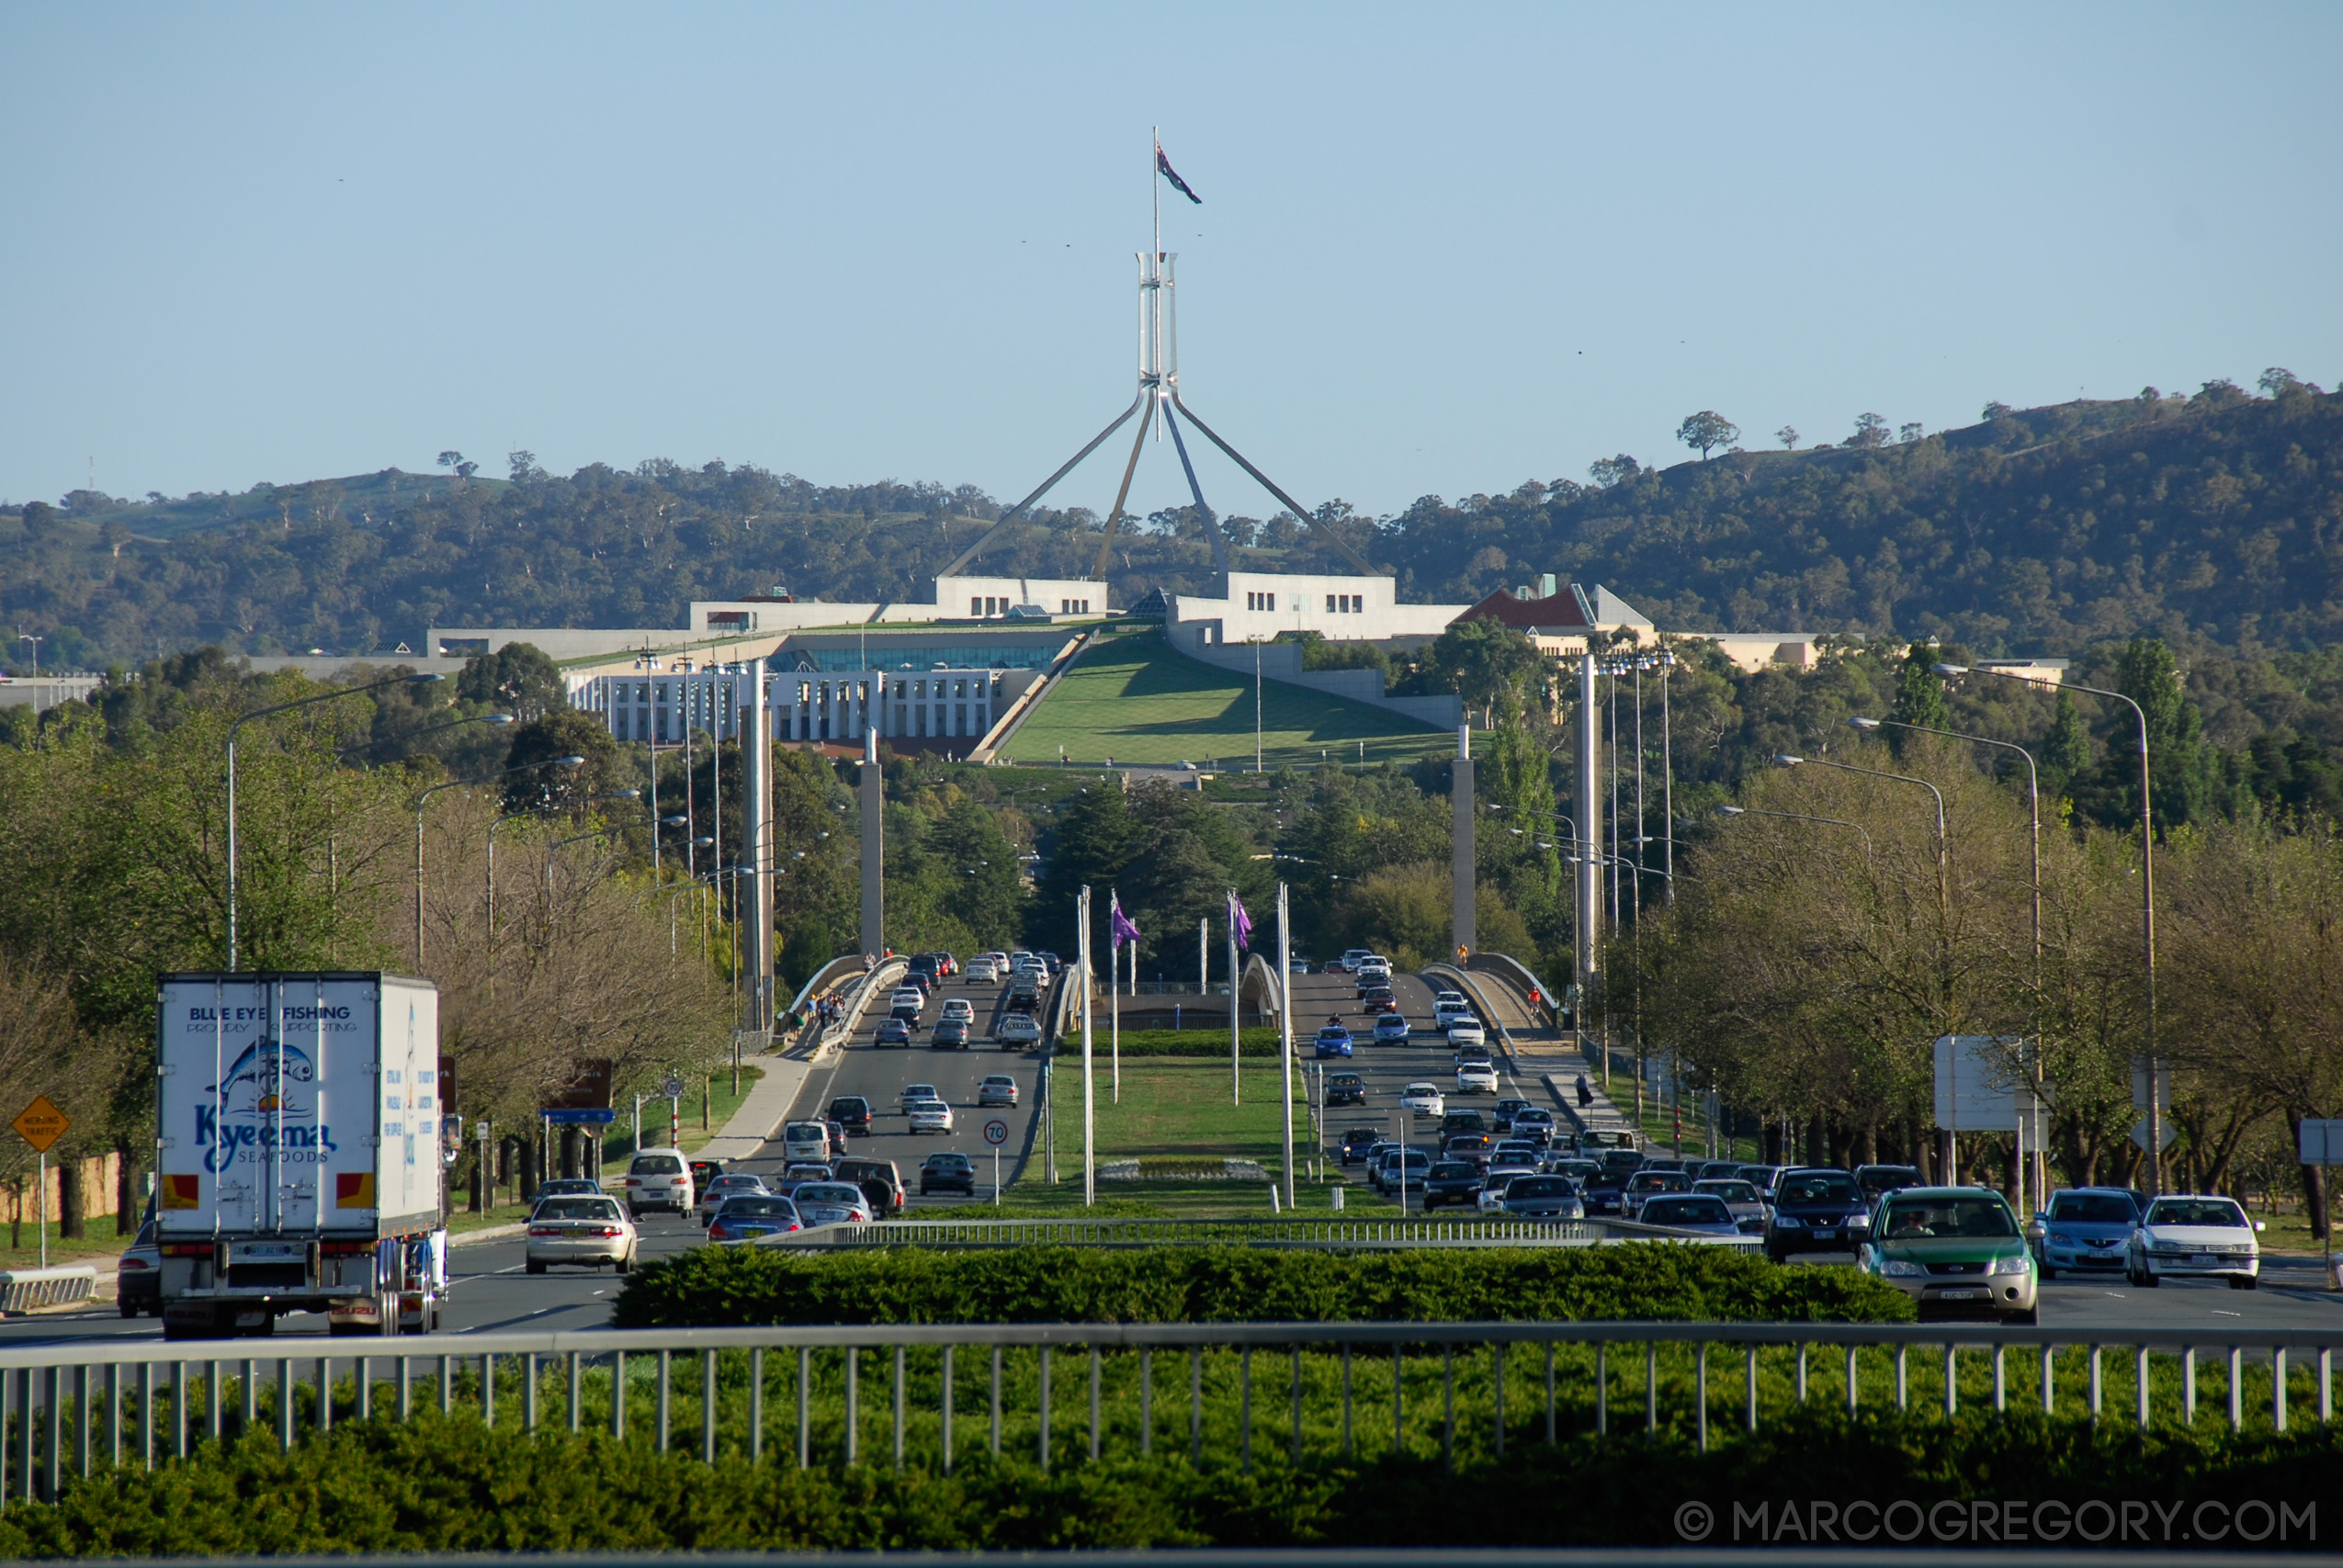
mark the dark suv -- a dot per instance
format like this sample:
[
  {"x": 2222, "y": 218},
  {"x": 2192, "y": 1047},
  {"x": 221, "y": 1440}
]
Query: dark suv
[
  {"x": 1356, "y": 1141},
  {"x": 879, "y": 1180},
  {"x": 1817, "y": 1210},
  {"x": 947, "y": 1173},
  {"x": 1452, "y": 1182},
  {"x": 851, "y": 1112}
]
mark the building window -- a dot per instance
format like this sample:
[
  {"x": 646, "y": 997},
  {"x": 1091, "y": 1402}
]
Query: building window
[{"x": 978, "y": 607}]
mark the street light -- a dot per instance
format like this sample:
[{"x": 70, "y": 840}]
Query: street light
[
  {"x": 1798, "y": 816},
  {"x": 408, "y": 679},
  {"x": 451, "y": 784},
  {"x": 1256, "y": 640},
  {"x": 498, "y": 719},
  {"x": 2148, "y": 901},
  {"x": 1943, "y": 887}
]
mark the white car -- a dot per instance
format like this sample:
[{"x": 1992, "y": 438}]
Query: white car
[
  {"x": 573, "y": 1229},
  {"x": 997, "y": 1089},
  {"x": 907, "y": 1003},
  {"x": 913, "y": 1093},
  {"x": 1467, "y": 1031},
  {"x": 959, "y": 1010},
  {"x": 982, "y": 972},
  {"x": 806, "y": 1141},
  {"x": 1374, "y": 966},
  {"x": 930, "y": 1116},
  {"x": 1018, "y": 1029},
  {"x": 1423, "y": 1099},
  {"x": 658, "y": 1179},
  {"x": 1475, "y": 1078},
  {"x": 1352, "y": 959},
  {"x": 2195, "y": 1238},
  {"x": 830, "y": 1203},
  {"x": 740, "y": 1185},
  {"x": 1447, "y": 1007}
]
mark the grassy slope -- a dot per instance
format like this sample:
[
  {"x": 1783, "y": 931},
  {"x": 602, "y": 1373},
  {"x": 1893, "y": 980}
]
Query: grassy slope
[{"x": 1137, "y": 701}]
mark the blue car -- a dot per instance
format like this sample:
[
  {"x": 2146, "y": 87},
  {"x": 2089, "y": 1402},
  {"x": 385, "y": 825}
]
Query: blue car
[
  {"x": 2087, "y": 1229},
  {"x": 1391, "y": 1029},
  {"x": 1333, "y": 1041}
]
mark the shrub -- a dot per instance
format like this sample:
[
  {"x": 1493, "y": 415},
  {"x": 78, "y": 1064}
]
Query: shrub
[{"x": 739, "y": 1286}]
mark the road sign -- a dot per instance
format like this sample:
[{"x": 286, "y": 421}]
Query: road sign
[
  {"x": 2139, "y": 1132},
  {"x": 1979, "y": 1086},
  {"x": 2321, "y": 1141},
  {"x": 996, "y": 1132},
  {"x": 672, "y": 1090},
  {"x": 42, "y": 1123},
  {"x": 563, "y": 1117}
]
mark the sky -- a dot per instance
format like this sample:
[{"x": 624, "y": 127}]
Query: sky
[{"x": 1441, "y": 249}]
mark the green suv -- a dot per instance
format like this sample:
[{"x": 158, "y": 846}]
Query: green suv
[{"x": 1956, "y": 1251}]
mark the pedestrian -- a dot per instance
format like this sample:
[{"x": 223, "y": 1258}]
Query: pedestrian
[{"x": 1585, "y": 1095}]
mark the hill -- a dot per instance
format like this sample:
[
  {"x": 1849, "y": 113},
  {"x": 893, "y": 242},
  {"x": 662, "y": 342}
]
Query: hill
[{"x": 2217, "y": 516}]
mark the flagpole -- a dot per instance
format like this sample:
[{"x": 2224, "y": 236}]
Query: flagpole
[
  {"x": 1286, "y": 1037},
  {"x": 1155, "y": 188},
  {"x": 1236, "y": 1080},
  {"x": 1090, "y": 1162},
  {"x": 1114, "y": 994}
]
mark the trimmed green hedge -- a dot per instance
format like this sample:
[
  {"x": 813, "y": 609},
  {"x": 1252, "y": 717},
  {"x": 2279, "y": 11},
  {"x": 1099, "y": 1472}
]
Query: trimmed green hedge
[
  {"x": 441, "y": 1484},
  {"x": 1211, "y": 1041},
  {"x": 746, "y": 1285}
]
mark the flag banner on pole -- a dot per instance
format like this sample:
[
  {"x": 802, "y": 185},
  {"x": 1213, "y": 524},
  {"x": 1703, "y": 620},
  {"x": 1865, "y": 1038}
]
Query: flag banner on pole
[
  {"x": 1163, "y": 167},
  {"x": 1240, "y": 922},
  {"x": 1119, "y": 924}
]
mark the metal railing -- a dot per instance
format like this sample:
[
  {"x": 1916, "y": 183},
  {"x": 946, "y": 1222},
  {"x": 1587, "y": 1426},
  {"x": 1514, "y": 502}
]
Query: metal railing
[
  {"x": 69, "y": 1409},
  {"x": 1330, "y": 1235},
  {"x": 27, "y": 1290}
]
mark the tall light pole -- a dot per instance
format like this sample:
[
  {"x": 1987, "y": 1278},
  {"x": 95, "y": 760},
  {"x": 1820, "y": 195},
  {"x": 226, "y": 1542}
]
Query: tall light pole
[
  {"x": 36, "y": 641},
  {"x": 452, "y": 784},
  {"x": 1798, "y": 816},
  {"x": 2147, "y": 905},
  {"x": 408, "y": 679},
  {"x": 1256, "y": 641}
]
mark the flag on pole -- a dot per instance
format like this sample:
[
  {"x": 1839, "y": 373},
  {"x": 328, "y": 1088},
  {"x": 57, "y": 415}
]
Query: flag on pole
[
  {"x": 1119, "y": 925},
  {"x": 1163, "y": 167},
  {"x": 1240, "y": 922}
]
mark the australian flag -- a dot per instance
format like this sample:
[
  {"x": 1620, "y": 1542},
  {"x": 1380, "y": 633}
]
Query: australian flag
[
  {"x": 1163, "y": 167},
  {"x": 1120, "y": 925},
  {"x": 1240, "y": 922}
]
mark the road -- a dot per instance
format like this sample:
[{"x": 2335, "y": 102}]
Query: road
[{"x": 490, "y": 1290}]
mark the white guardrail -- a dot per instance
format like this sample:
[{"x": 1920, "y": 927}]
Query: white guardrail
[{"x": 28, "y": 1289}]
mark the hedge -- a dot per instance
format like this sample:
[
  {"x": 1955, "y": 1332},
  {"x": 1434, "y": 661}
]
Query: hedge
[
  {"x": 442, "y": 1484},
  {"x": 752, "y": 1285},
  {"x": 1210, "y": 1041}
]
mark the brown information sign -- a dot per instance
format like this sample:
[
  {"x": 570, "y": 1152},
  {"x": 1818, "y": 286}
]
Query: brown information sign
[{"x": 42, "y": 1123}]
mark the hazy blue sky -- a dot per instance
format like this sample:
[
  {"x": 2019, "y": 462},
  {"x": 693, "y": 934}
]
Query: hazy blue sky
[{"x": 1441, "y": 250}]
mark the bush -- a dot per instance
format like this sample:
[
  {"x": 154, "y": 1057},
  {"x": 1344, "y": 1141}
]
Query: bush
[
  {"x": 1210, "y": 1041},
  {"x": 740, "y": 1286}
]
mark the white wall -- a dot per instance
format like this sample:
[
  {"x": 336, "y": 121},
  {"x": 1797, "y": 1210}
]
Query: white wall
[
  {"x": 960, "y": 596},
  {"x": 1341, "y": 609}
]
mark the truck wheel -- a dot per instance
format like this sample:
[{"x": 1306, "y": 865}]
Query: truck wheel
[
  {"x": 130, "y": 1307},
  {"x": 533, "y": 1267}
]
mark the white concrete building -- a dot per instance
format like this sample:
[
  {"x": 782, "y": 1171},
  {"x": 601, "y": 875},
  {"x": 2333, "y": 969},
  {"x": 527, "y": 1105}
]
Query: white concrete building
[
  {"x": 822, "y": 706},
  {"x": 1341, "y": 609}
]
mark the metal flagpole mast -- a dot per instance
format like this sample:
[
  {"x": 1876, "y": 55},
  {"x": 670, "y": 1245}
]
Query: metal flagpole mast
[
  {"x": 1286, "y": 1037},
  {"x": 1114, "y": 996},
  {"x": 1090, "y": 1164},
  {"x": 1236, "y": 1083}
]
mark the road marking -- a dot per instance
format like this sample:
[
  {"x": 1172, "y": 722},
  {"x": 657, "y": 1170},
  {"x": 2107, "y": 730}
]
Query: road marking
[{"x": 2223, "y": 1311}]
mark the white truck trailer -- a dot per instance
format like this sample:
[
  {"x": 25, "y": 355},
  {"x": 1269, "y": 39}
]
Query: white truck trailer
[{"x": 298, "y": 1152}]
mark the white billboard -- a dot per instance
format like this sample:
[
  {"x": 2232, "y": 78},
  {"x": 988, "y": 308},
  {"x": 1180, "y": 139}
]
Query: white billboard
[{"x": 1982, "y": 1084}]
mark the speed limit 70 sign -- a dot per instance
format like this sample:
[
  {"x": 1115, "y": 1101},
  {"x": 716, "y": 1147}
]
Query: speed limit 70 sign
[{"x": 996, "y": 1132}]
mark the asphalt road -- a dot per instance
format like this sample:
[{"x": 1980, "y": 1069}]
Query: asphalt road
[{"x": 490, "y": 1290}]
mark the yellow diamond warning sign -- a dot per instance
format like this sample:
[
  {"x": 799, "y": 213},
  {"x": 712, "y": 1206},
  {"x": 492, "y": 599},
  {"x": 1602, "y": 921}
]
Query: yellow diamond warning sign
[{"x": 42, "y": 1123}]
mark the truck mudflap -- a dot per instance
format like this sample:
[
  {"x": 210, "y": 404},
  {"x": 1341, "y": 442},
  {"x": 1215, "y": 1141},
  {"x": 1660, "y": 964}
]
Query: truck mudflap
[
  {"x": 419, "y": 1312},
  {"x": 206, "y": 1317}
]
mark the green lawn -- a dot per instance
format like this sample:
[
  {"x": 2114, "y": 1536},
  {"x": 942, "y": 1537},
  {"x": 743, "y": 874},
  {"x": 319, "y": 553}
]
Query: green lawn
[{"x": 1135, "y": 700}]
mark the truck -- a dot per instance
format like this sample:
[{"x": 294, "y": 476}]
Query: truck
[{"x": 299, "y": 1132}]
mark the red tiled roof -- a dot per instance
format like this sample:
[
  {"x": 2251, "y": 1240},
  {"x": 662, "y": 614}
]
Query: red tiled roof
[{"x": 1560, "y": 613}]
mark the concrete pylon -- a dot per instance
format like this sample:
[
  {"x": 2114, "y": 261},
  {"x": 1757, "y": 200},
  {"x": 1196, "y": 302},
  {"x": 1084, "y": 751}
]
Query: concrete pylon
[
  {"x": 1463, "y": 937},
  {"x": 756, "y": 801},
  {"x": 874, "y": 803},
  {"x": 1590, "y": 870}
]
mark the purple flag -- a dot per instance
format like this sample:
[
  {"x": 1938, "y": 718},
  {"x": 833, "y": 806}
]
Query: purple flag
[
  {"x": 1163, "y": 167},
  {"x": 1120, "y": 924},
  {"x": 1240, "y": 922}
]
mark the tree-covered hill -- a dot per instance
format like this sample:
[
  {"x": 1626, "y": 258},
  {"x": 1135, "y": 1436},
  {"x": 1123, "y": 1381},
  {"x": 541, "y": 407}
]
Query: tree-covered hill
[{"x": 2217, "y": 517}]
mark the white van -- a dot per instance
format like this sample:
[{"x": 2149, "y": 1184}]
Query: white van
[
  {"x": 806, "y": 1141},
  {"x": 659, "y": 1178}
]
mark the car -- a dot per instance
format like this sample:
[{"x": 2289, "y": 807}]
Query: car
[
  {"x": 1703, "y": 1213},
  {"x": 881, "y": 1184},
  {"x": 1374, "y": 966},
  {"x": 752, "y": 1214},
  {"x": 1355, "y": 1143},
  {"x": 1345, "y": 1088},
  {"x": 948, "y": 964},
  {"x": 922, "y": 966},
  {"x": 851, "y": 1112},
  {"x": 2085, "y": 1229},
  {"x": 1451, "y": 1183},
  {"x": 1764, "y": 1178},
  {"x": 1816, "y": 1208},
  {"x": 947, "y": 1171},
  {"x": 1423, "y": 1099},
  {"x": 1448, "y": 1006},
  {"x": 805, "y": 1141},
  {"x": 1402, "y": 1168},
  {"x": 907, "y": 1003},
  {"x": 1298, "y": 967},
  {"x": 1378, "y": 1001},
  {"x": 1523, "y": 1149},
  {"x": 1463, "y": 1121},
  {"x": 583, "y": 1231},
  {"x": 798, "y": 1173},
  {"x": 1478, "y": 1148},
  {"x": 1350, "y": 960},
  {"x": 2196, "y": 1236},
  {"x": 705, "y": 1170},
  {"x": 1017, "y": 1028},
  {"x": 1577, "y": 1168},
  {"x": 1954, "y": 1250},
  {"x": 892, "y": 1032},
  {"x": 959, "y": 1008},
  {"x": 1391, "y": 1029},
  {"x": 837, "y": 1138},
  {"x": 712, "y": 1196},
  {"x": 138, "y": 1275},
  {"x": 831, "y": 1203},
  {"x": 1466, "y": 1031},
  {"x": 1501, "y": 1171},
  {"x": 930, "y": 1116},
  {"x": 1476, "y": 1077},
  {"x": 1502, "y": 1114},
  {"x": 1534, "y": 1124},
  {"x": 1719, "y": 1170},
  {"x": 1740, "y": 1201},
  {"x": 1878, "y": 1180},
  {"x": 1542, "y": 1197},
  {"x": 982, "y": 972},
  {"x": 917, "y": 1091},
  {"x": 952, "y": 1034},
  {"x": 658, "y": 1179},
  {"x": 569, "y": 1187},
  {"x": 1646, "y": 1184},
  {"x": 1333, "y": 1041},
  {"x": 996, "y": 1088}
]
